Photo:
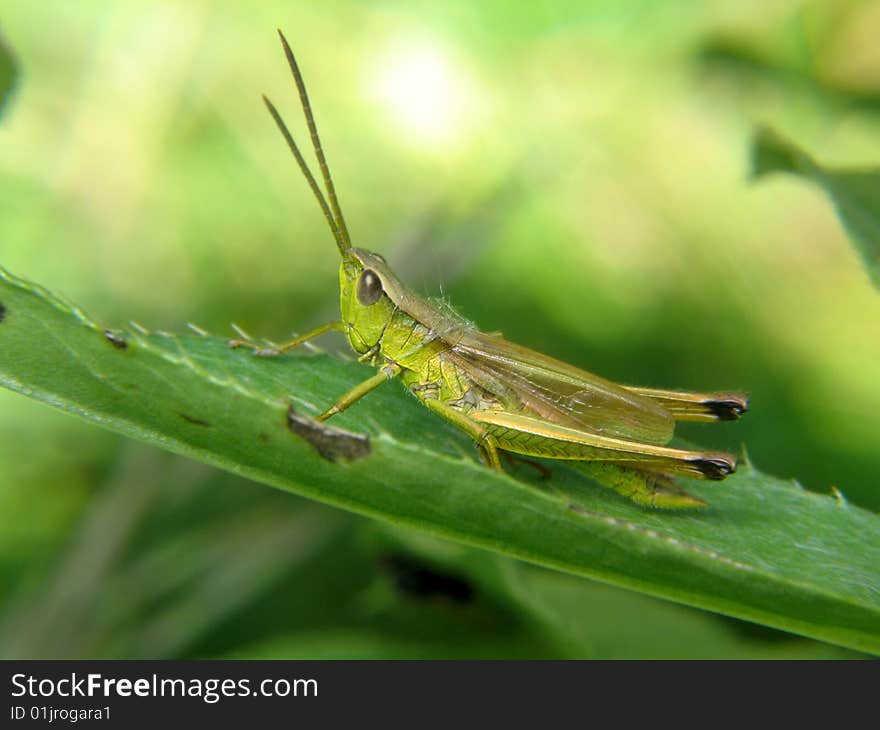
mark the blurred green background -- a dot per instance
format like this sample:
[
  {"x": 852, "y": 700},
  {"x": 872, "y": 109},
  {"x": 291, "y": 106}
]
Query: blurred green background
[{"x": 571, "y": 173}]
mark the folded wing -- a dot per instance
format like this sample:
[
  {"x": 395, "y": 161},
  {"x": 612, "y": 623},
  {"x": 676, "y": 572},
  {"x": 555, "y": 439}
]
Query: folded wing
[{"x": 557, "y": 391}]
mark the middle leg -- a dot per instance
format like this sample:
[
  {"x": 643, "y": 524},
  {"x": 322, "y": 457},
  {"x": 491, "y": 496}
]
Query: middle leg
[{"x": 485, "y": 442}]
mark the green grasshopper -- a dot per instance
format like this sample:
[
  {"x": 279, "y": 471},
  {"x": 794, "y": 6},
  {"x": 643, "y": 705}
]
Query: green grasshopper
[{"x": 506, "y": 397}]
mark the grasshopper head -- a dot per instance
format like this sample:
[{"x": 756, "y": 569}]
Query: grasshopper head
[{"x": 370, "y": 294}]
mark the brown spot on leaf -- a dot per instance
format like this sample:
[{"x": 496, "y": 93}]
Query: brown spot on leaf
[
  {"x": 2, "y": 312},
  {"x": 331, "y": 443},
  {"x": 115, "y": 339},
  {"x": 194, "y": 421}
]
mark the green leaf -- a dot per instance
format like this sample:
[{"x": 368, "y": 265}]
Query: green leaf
[
  {"x": 8, "y": 74},
  {"x": 766, "y": 550},
  {"x": 855, "y": 193}
]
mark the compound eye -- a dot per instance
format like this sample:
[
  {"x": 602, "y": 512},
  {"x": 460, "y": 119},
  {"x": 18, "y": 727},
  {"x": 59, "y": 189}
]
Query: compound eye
[{"x": 369, "y": 289}]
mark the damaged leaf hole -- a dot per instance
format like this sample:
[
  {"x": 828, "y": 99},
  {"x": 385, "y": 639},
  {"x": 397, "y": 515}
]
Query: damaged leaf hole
[{"x": 331, "y": 443}]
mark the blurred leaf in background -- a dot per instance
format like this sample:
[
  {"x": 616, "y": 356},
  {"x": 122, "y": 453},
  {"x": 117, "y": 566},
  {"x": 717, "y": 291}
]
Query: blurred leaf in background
[
  {"x": 855, "y": 193},
  {"x": 8, "y": 74},
  {"x": 573, "y": 174}
]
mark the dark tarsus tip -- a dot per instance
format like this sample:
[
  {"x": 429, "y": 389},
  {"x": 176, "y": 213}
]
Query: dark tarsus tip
[
  {"x": 2, "y": 312},
  {"x": 728, "y": 409},
  {"x": 716, "y": 468},
  {"x": 194, "y": 421},
  {"x": 118, "y": 341}
]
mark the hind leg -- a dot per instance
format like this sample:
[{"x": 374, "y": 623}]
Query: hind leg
[{"x": 642, "y": 487}]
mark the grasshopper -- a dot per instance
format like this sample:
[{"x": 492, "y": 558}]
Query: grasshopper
[{"x": 507, "y": 398}]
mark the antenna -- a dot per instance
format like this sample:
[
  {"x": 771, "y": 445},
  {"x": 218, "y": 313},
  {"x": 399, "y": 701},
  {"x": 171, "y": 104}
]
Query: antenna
[
  {"x": 303, "y": 165},
  {"x": 332, "y": 212}
]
